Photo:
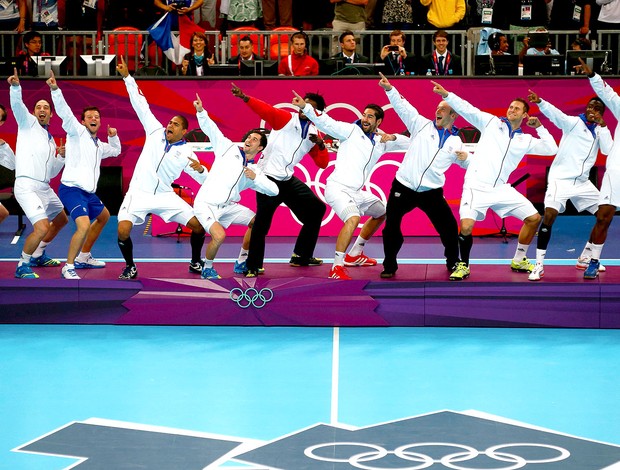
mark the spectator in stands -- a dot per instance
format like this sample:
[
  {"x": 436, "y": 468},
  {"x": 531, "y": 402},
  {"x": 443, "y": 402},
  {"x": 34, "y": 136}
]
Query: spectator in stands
[
  {"x": 245, "y": 13},
  {"x": 246, "y": 51},
  {"x": 78, "y": 15},
  {"x": 33, "y": 42},
  {"x": 498, "y": 43},
  {"x": 397, "y": 14},
  {"x": 196, "y": 62},
  {"x": 208, "y": 14},
  {"x": 299, "y": 63},
  {"x": 13, "y": 14},
  {"x": 284, "y": 13},
  {"x": 45, "y": 15},
  {"x": 349, "y": 15},
  {"x": 348, "y": 45},
  {"x": 178, "y": 7},
  {"x": 444, "y": 14},
  {"x": 573, "y": 15},
  {"x": 441, "y": 61},
  {"x": 312, "y": 15},
  {"x": 581, "y": 44},
  {"x": 136, "y": 13},
  {"x": 395, "y": 57},
  {"x": 609, "y": 16}
]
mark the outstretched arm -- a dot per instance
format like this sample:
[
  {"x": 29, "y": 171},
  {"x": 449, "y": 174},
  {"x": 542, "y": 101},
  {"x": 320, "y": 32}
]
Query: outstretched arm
[
  {"x": 340, "y": 130},
  {"x": 22, "y": 116},
  {"x": 69, "y": 122},
  {"x": 218, "y": 140},
  {"x": 276, "y": 118}
]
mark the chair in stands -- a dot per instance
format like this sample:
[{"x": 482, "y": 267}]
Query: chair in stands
[
  {"x": 124, "y": 41},
  {"x": 279, "y": 42}
]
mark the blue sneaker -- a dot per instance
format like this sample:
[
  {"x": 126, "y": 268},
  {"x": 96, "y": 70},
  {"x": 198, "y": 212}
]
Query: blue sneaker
[
  {"x": 240, "y": 268},
  {"x": 210, "y": 273},
  {"x": 44, "y": 261},
  {"x": 24, "y": 272},
  {"x": 591, "y": 271}
]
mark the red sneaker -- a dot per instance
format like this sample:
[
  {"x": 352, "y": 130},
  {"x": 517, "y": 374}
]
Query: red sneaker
[
  {"x": 359, "y": 260},
  {"x": 339, "y": 272}
]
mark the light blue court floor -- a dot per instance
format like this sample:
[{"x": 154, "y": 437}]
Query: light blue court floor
[{"x": 232, "y": 396}]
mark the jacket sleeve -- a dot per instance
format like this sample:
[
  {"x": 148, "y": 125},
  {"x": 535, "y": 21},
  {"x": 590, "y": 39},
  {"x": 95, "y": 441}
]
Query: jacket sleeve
[
  {"x": 22, "y": 116},
  {"x": 112, "y": 148},
  {"x": 7, "y": 156},
  {"x": 557, "y": 117},
  {"x": 196, "y": 175},
  {"x": 69, "y": 122},
  {"x": 406, "y": 111},
  {"x": 141, "y": 106},
  {"x": 606, "y": 93},
  {"x": 340, "y": 130},
  {"x": 545, "y": 145},
  {"x": 320, "y": 157},
  {"x": 262, "y": 184},
  {"x": 401, "y": 143},
  {"x": 469, "y": 112},
  {"x": 605, "y": 141},
  {"x": 218, "y": 140},
  {"x": 276, "y": 118}
]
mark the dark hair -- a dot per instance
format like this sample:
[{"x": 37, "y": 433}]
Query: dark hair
[
  {"x": 344, "y": 35},
  {"x": 318, "y": 99},
  {"x": 526, "y": 105},
  {"x": 259, "y": 131},
  {"x": 183, "y": 120},
  {"x": 495, "y": 40},
  {"x": 398, "y": 32},
  {"x": 594, "y": 98},
  {"x": 377, "y": 109},
  {"x": 30, "y": 35},
  {"x": 90, "y": 108},
  {"x": 4, "y": 113},
  {"x": 246, "y": 38},
  {"x": 440, "y": 33}
]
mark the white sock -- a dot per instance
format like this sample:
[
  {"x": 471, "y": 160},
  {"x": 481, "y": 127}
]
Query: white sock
[
  {"x": 243, "y": 255},
  {"x": 338, "y": 259},
  {"x": 83, "y": 256},
  {"x": 596, "y": 251},
  {"x": 521, "y": 252},
  {"x": 358, "y": 246},
  {"x": 208, "y": 263},
  {"x": 587, "y": 251},
  {"x": 24, "y": 259},
  {"x": 40, "y": 249},
  {"x": 69, "y": 266},
  {"x": 540, "y": 256}
]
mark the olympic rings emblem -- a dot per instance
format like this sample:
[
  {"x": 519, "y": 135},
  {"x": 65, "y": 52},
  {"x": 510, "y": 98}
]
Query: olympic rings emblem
[
  {"x": 464, "y": 453},
  {"x": 251, "y": 297}
]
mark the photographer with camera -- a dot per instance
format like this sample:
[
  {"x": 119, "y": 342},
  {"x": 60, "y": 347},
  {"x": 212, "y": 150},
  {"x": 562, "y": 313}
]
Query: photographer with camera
[
  {"x": 441, "y": 61},
  {"x": 395, "y": 57}
]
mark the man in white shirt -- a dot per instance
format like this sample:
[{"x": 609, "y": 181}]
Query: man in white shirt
[
  {"x": 7, "y": 158},
  {"x": 83, "y": 154}
]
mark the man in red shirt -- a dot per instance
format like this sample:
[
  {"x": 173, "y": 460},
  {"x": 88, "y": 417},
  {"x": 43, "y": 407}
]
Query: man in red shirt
[{"x": 299, "y": 63}]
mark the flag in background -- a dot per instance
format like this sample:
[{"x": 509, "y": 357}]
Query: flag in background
[{"x": 174, "y": 47}]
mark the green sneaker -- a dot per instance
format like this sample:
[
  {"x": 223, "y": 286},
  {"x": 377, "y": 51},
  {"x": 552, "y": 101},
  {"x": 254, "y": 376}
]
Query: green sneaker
[
  {"x": 461, "y": 271},
  {"x": 523, "y": 266}
]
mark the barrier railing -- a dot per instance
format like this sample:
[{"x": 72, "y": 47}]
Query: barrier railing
[{"x": 144, "y": 57}]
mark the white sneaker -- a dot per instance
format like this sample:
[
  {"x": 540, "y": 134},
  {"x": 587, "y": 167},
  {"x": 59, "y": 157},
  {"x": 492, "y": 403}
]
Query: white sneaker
[
  {"x": 69, "y": 273},
  {"x": 584, "y": 261},
  {"x": 89, "y": 262},
  {"x": 537, "y": 273}
]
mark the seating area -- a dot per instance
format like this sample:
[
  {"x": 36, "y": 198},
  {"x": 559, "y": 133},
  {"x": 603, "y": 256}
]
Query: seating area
[{"x": 140, "y": 52}]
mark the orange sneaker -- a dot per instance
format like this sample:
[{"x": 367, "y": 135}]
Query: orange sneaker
[
  {"x": 359, "y": 260},
  {"x": 339, "y": 272}
]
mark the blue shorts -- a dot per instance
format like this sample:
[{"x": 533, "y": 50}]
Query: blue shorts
[{"x": 79, "y": 202}]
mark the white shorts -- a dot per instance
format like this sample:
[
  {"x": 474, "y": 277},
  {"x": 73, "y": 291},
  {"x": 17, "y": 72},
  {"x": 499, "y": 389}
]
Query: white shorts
[
  {"x": 169, "y": 206},
  {"x": 37, "y": 199},
  {"x": 504, "y": 200},
  {"x": 225, "y": 215},
  {"x": 610, "y": 188},
  {"x": 347, "y": 203},
  {"x": 584, "y": 196}
]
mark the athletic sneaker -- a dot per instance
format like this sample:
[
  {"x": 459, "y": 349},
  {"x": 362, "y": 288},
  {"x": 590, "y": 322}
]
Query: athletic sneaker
[
  {"x": 299, "y": 261},
  {"x": 44, "y": 261},
  {"x": 523, "y": 266},
  {"x": 592, "y": 270},
  {"x": 387, "y": 274},
  {"x": 461, "y": 271},
  {"x": 130, "y": 272},
  {"x": 240, "y": 268},
  {"x": 584, "y": 261},
  {"x": 339, "y": 272},
  {"x": 195, "y": 267},
  {"x": 359, "y": 260},
  {"x": 24, "y": 272},
  {"x": 89, "y": 262},
  {"x": 210, "y": 273},
  {"x": 68, "y": 273},
  {"x": 251, "y": 273},
  {"x": 538, "y": 273}
]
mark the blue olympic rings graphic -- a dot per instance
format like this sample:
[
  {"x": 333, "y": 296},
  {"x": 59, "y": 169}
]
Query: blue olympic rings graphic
[
  {"x": 251, "y": 297},
  {"x": 464, "y": 453}
]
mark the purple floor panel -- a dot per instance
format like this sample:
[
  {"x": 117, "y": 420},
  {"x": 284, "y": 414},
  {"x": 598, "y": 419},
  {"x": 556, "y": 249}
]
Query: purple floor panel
[{"x": 420, "y": 295}]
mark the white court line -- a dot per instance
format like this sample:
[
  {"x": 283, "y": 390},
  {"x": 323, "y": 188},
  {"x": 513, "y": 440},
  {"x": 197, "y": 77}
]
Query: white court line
[{"x": 335, "y": 373}]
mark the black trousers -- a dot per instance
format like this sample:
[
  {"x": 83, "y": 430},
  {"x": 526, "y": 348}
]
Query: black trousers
[
  {"x": 306, "y": 206},
  {"x": 403, "y": 200}
]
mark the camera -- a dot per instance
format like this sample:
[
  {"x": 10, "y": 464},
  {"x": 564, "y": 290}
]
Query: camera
[{"x": 393, "y": 48}]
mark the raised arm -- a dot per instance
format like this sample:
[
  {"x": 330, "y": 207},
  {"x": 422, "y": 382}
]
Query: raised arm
[
  {"x": 23, "y": 117},
  {"x": 557, "y": 117},
  {"x": 322, "y": 121},
  {"x": 69, "y": 122},
  {"x": 276, "y": 118},
  {"x": 219, "y": 141}
]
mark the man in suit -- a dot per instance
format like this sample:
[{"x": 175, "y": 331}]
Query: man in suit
[
  {"x": 395, "y": 57},
  {"x": 348, "y": 45},
  {"x": 441, "y": 61},
  {"x": 246, "y": 51}
]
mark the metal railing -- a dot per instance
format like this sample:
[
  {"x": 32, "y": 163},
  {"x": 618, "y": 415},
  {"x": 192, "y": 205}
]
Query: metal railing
[{"x": 143, "y": 56}]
